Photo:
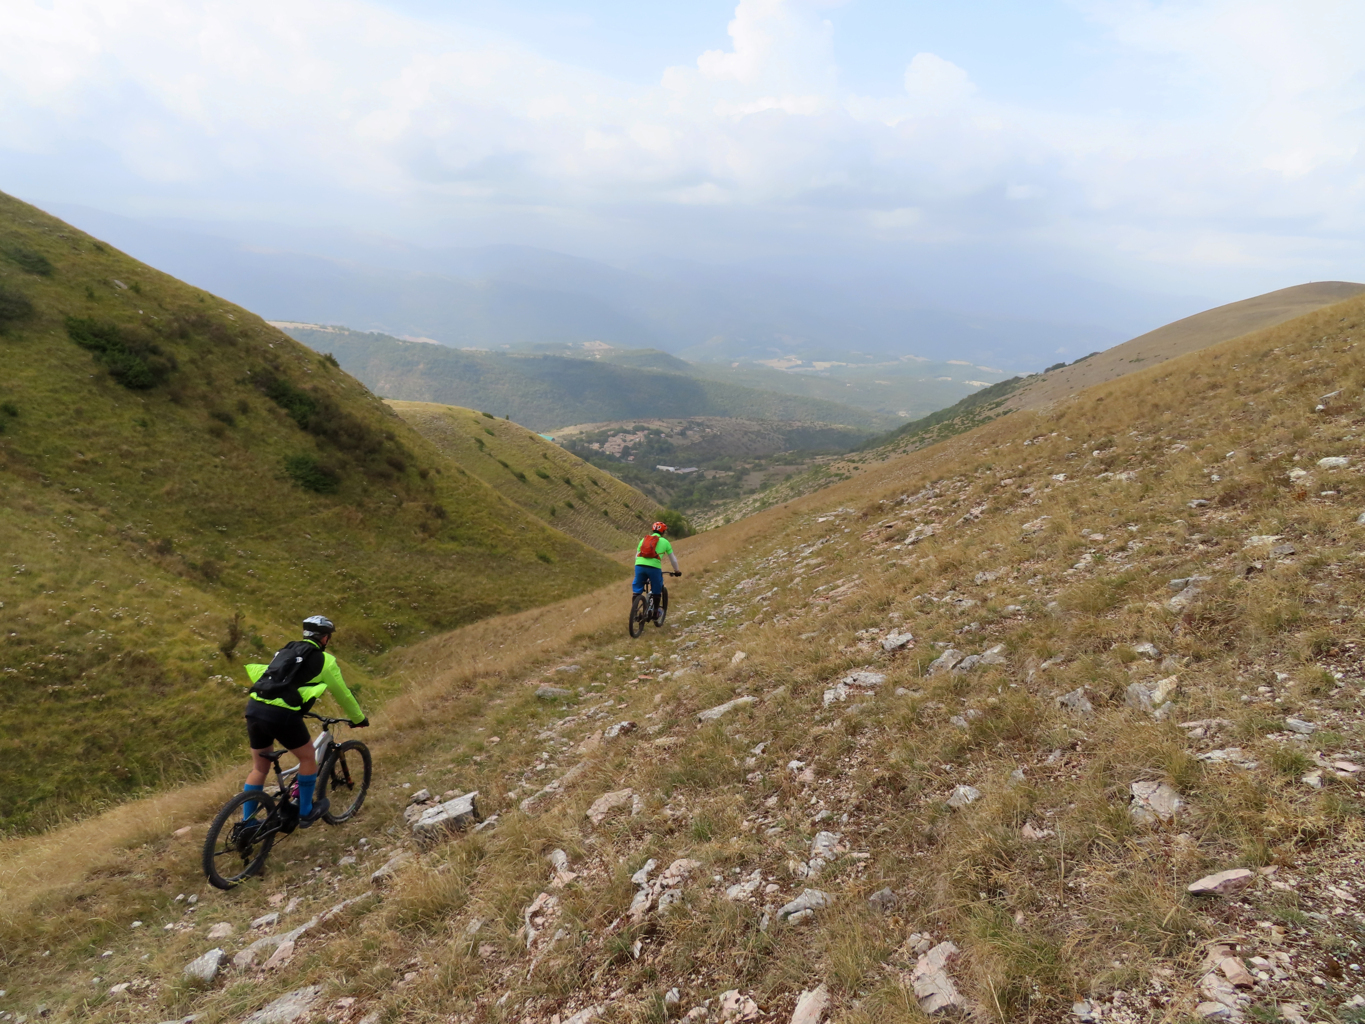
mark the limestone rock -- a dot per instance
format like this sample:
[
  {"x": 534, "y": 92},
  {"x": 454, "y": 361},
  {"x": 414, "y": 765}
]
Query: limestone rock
[
  {"x": 883, "y": 901},
  {"x": 539, "y": 916},
  {"x": 994, "y": 655},
  {"x": 205, "y": 968},
  {"x": 552, "y": 692},
  {"x": 1147, "y": 650},
  {"x": 221, "y": 930},
  {"x": 608, "y": 802},
  {"x": 537, "y": 801},
  {"x": 807, "y": 903},
  {"x": 811, "y": 1006},
  {"x": 1077, "y": 701},
  {"x": 895, "y": 641},
  {"x": 420, "y": 797},
  {"x": 290, "y": 1007},
  {"x": 266, "y": 921},
  {"x": 745, "y": 888},
  {"x": 585, "y": 1015},
  {"x": 934, "y": 988},
  {"x": 1153, "y": 801},
  {"x": 619, "y": 729},
  {"x": 711, "y": 714},
  {"x": 945, "y": 662},
  {"x": 1334, "y": 462},
  {"x": 962, "y": 796},
  {"x": 451, "y": 816},
  {"x": 737, "y": 1007},
  {"x": 385, "y": 874},
  {"x": 1299, "y": 726},
  {"x": 1222, "y": 883}
]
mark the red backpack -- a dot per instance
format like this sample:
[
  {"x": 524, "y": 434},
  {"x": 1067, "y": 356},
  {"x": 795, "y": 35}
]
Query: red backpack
[{"x": 649, "y": 547}]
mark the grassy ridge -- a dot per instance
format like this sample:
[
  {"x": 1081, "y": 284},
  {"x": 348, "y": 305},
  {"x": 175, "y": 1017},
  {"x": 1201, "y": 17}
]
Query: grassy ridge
[
  {"x": 182, "y": 483},
  {"x": 536, "y": 474},
  {"x": 545, "y": 392}
]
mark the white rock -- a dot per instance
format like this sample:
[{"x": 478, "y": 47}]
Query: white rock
[
  {"x": 287, "y": 1008},
  {"x": 420, "y": 797},
  {"x": 946, "y": 661},
  {"x": 897, "y": 642},
  {"x": 711, "y": 714},
  {"x": 536, "y": 801},
  {"x": 1228, "y": 755},
  {"x": 451, "y": 816},
  {"x": 811, "y": 1006},
  {"x": 585, "y": 1015},
  {"x": 1154, "y": 801},
  {"x": 1301, "y": 727},
  {"x": 385, "y": 874},
  {"x": 220, "y": 931},
  {"x": 994, "y": 655},
  {"x": 962, "y": 796},
  {"x": 744, "y": 889},
  {"x": 1077, "y": 701},
  {"x": 883, "y": 901},
  {"x": 735, "y": 1006},
  {"x": 641, "y": 877},
  {"x": 826, "y": 845},
  {"x": 809, "y": 900},
  {"x": 1334, "y": 462},
  {"x": 552, "y": 692},
  {"x": 619, "y": 729},
  {"x": 934, "y": 988},
  {"x": 266, "y": 920},
  {"x": 739, "y": 656},
  {"x": 608, "y": 802},
  {"x": 1222, "y": 883},
  {"x": 1147, "y": 649},
  {"x": 205, "y": 967}
]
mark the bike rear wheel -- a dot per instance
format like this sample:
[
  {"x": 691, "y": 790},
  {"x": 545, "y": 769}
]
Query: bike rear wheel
[
  {"x": 344, "y": 779},
  {"x": 639, "y": 608},
  {"x": 232, "y": 850},
  {"x": 661, "y": 609}
]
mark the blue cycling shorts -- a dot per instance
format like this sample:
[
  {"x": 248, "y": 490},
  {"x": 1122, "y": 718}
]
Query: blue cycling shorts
[{"x": 647, "y": 572}]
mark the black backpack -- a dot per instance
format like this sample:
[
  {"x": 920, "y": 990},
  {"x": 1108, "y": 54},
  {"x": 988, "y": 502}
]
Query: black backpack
[{"x": 295, "y": 664}]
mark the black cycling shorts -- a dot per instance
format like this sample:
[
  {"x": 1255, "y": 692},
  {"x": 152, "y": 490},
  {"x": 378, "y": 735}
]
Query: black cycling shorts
[{"x": 266, "y": 723}]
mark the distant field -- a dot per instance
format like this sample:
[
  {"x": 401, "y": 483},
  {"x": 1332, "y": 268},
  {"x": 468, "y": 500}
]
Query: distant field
[
  {"x": 545, "y": 391},
  {"x": 540, "y": 476}
]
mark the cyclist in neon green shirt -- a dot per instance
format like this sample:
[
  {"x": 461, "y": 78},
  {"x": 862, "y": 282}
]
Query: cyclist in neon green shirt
[
  {"x": 650, "y": 566},
  {"x": 300, "y": 673}
]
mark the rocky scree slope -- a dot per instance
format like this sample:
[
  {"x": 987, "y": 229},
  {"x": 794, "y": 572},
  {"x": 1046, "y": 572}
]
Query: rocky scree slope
[
  {"x": 552, "y": 484},
  {"x": 182, "y": 483},
  {"x": 1058, "y": 720}
]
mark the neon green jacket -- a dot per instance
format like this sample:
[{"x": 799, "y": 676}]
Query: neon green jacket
[
  {"x": 328, "y": 679},
  {"x": 664, "y": 548}
]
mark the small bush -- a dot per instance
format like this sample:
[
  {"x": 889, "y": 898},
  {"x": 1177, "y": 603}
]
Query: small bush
[
  {"x": 678, "y": 526},
  {"x": 542, "y": 474},
  {"x": 312, "y": 475},
  {"x": 135, "y": 363},
  {"x": 13, "y": 306},
  {"x": 27, "y": 259},
  {"x": 223, "y": 416},
  {"x": 490, "y": 415},
  {"x": 331, "y": 360},
  {"x": 544, "y": 557},
  {"x": 489, "y": 432},
  {"x": 9, "y": 409}
]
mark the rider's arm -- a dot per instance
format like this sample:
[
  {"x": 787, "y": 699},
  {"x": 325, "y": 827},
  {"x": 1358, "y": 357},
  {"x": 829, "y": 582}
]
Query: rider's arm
[
  {"x": 336, "y": 686},
  {"x": 674, "y": 559}
]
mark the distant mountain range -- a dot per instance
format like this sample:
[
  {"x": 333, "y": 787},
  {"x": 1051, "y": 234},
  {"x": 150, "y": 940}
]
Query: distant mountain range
[
  {"x": 548, "y": 391},
  {"x": 978, "y": 307}
]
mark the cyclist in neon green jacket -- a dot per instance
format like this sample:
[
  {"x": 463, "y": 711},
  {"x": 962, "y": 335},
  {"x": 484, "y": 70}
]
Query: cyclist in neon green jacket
[{"x": 300, "y": 673}]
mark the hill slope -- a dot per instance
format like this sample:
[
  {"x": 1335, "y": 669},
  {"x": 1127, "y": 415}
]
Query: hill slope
[
  {"x": 1133, "y": 663},
  {"x": 543, "y": 392},
  {"x": 181, "y": 484},
  {"x": 536, "y": 474}
]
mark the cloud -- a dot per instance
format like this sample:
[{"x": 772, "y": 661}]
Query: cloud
[{"x": 1241, "y": 146}]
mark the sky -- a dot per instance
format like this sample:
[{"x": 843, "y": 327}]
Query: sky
[{"x": 1176, "y": 146}]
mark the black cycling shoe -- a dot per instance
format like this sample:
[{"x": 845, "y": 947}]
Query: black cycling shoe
[{"x": 320, "y": 807}]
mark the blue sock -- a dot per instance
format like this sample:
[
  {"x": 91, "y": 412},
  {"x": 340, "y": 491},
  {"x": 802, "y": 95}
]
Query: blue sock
[
  {"x": 306, "y": 784},
  {"x": 249, "y": 808}
]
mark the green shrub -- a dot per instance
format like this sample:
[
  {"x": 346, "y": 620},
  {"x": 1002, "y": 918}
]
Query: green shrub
[
  {"x": 301, "y": 406},
  {"x": 544, "y": 557},
  {"x": 9, "y": 409},
  {"x": 312, "y": 475},
  {"x": 490, "y": 415},
  {"x": 135, "y": 363},
  {"x": 13, "y": 306},
  {"x": 33, "y": 262},
  {"x": 542, "y": 474},
  {"x": 678, "y": 526}
]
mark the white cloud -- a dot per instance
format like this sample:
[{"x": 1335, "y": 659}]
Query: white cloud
[{"x": 319, "y": 106}]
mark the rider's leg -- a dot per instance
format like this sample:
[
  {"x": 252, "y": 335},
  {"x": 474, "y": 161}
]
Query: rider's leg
[
  {"x": 255, "y": 780},
  {"x": 308, "y": 776},
  {"x": 637, "y": 585}
]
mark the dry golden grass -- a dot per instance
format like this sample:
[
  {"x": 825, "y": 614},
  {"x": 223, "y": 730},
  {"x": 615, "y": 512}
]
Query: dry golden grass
[{"x": 1094, "y": 907}]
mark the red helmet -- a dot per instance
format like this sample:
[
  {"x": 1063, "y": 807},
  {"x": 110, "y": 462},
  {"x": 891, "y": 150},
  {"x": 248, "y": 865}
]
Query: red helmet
[{"x": 660, "y": 527}]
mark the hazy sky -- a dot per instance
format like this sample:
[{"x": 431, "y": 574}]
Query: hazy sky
[{"x": 1210, "y": 145}]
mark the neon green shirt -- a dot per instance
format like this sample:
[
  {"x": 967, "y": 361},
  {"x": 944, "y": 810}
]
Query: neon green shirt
[
  {"x": 664, "y": 548},
  {"x": 329, "y": 679}
]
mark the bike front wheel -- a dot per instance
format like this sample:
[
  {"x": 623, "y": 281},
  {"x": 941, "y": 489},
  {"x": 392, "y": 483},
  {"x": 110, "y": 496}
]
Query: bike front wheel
[
  {"x": 344, "y": 779},
  {"x": 639, "y": 608},
  {"x": 236, "y": 847}
]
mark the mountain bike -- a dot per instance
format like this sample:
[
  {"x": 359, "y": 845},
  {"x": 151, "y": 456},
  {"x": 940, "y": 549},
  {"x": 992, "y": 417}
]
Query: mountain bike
[
  {"x": 236, "y": 847},
  {"x": 648, "y": 607}
]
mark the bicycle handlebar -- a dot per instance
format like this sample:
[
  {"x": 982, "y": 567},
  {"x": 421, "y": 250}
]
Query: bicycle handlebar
[{"x": 328, "y": 721}]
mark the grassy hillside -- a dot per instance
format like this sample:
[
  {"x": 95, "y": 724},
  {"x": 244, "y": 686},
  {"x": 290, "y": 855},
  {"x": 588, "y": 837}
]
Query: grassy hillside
[
  {"x": 996, "y": 804},
  {"x": 181, "y": 484},
  {"x": 543, "y": 392},
  {"x": 536, "y": 474}
]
